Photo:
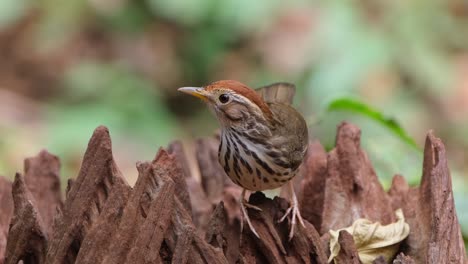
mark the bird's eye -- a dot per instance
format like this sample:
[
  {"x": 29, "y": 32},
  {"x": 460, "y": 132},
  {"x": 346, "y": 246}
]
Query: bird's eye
[{"x": 224, "y": 98}]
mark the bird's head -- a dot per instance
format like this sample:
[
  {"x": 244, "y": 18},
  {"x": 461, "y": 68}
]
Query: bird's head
[{"x": 233, "y": 102}]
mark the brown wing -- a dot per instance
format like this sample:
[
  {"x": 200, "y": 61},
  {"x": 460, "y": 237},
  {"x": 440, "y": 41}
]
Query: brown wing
[
  {"x": 291, "y": 132},
  {"x": 280, "y": 92}
]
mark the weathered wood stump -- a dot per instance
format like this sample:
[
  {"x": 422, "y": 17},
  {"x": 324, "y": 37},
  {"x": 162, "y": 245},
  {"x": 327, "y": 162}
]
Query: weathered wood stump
[{"x": 170, "y": 216}]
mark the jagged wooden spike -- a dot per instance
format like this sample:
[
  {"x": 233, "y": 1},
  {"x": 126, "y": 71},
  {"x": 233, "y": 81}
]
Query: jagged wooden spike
[
  {"x": 43, "y": 180},
  {"x": 6, "y": 209},
  {"x": 86, "y": 198},
  {"x": 352, "y": 189},
  {"x": 27, "y": 239}
]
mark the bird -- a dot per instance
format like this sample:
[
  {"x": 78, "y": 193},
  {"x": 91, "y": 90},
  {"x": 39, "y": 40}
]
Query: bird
[{"x": 263, "y": 139}]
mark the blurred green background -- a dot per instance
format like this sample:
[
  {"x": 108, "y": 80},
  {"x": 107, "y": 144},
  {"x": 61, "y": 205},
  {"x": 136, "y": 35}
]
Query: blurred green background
[{"x": 67, "y": 67}]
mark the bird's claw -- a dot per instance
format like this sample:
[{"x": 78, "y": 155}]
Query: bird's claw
[
  {"x": 243, "y": 205},
  {"x": 246, "y": 216},
  {"x": 246, "y": 204},
  {"x": 293, "y": 210}
]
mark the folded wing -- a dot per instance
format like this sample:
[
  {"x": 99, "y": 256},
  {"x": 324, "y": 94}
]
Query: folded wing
[{"x": 280, "y": 92}]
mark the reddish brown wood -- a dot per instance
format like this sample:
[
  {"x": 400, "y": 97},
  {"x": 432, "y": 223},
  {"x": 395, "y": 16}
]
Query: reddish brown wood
[
  {"x": 190, "y": 192},
  {"x": 181, "y": 179},
  {"x": 169, "y": 216},
  {"x": 275, "y": 247},
  {"x": 348, "y": 252},
  {"x": 352, "y": 189},
  {"x": 435, "y": 235},
  {"x": 27, "y": 239},
  {"x": 43, "y": 180},
  {"x": 6, "y": 209},
  {"x": 85, "y": 200},
  {"x": 96, "y": 243},
  {"x": 146, "y": 216},
  {"x": 403, "y": 259},
  {"x": 315, "y": 175}
]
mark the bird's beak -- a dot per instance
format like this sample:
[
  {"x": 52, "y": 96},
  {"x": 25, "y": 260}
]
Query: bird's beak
[{"x": 195, "y": 91}]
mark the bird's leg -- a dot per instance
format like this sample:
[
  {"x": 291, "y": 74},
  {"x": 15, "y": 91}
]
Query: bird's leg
[
  {"x": 293, "y": 210},
  {"x": 243, "y": 205}
]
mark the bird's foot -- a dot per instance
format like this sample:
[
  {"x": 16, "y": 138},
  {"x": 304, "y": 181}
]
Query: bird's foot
[
  {"x": 243, "y": 205},
  {"x": 295, "y": 215},
  {"x": 246, "y": 204},
  {"x": 293, "y": 210},
  {"x": 245, "y": 215}
]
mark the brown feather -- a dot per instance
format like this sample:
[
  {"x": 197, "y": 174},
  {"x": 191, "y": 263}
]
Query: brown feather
[
  {"x": 243, "y": 90},
  {"x": 280, "y": 92}
]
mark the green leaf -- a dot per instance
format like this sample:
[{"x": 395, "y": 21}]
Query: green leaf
[{"x": 352, "y": 105}]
